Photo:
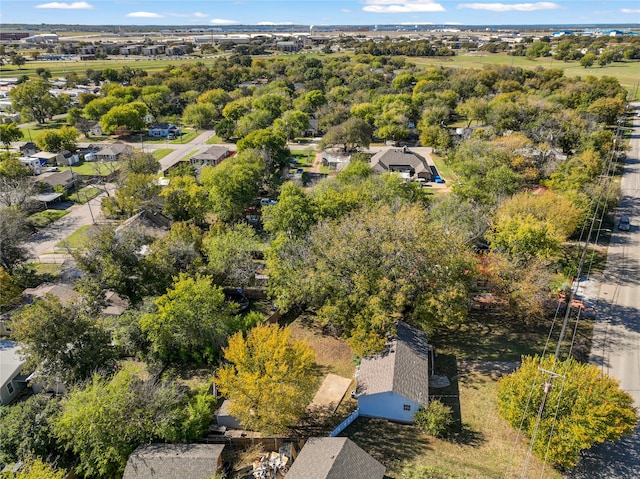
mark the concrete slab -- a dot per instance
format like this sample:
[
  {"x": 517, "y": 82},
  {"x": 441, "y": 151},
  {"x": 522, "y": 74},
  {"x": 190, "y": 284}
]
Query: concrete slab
[{"x": 330, "y": 394}]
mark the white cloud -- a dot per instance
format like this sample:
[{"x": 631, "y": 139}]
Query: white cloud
[
  {"x": 416, "y": 23},
  {"x": 67, "y": 6},
  {"x": 402, "y": 6},
  {"x": 345, "y": 10},
  {"x": 630, "y": 10},
  {"x": 223, "y": 21},
  {"x": 144, "y": 15},
  {"x": 510, "y": 7},
  {"x": 189, "y": 15},
  {"x": 274, "y": 23}
]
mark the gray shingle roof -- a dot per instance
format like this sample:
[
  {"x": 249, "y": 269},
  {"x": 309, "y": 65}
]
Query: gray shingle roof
[
  {"x": 398, "y": 158},
  {"x": 173, "y": 461},
  {"x": 213, "y": 154},
  {"x": 334, "y": 458},
  {"x": 403, "y": 367}
]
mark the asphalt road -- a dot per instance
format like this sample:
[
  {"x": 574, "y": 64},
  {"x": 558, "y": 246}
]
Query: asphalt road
[{"x": 616, "y": 336}]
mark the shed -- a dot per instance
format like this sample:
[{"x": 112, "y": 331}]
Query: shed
[
  {"x": 174, "y": 461},
  {"x": 394, "y": 384},
  {"x": 334, "y": 458},
  {"x": 11, "y": 379}
]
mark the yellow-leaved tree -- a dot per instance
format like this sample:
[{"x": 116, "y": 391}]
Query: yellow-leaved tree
[{"x": 269, "y": 378}]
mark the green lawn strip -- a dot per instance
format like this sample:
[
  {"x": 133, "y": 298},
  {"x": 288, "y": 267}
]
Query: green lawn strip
[
  {"x": 305, "y": 158},
  {"x": 214, "y": 140},
  {"x": 443, "y": 169},
  {"x": 189, "y": 155},
  {"x": 29, "y": 133},
  {"x": 75, "y": 239},
  {"x": 46, "y": 217},
  {"x": 160, "y": 153},
  {"x": 86, "y": 194},
  {"x": 187, "y": 136},
  {"x": 93, "y": 168}
]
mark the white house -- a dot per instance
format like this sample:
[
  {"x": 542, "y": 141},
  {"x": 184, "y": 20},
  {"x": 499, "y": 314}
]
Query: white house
[
  {"x": 163, "y": 130},
  {"x": 11, "y": 379},
  {"x": 394, "y": 384}
]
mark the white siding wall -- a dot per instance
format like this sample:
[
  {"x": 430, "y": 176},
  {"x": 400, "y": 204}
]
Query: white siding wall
[{"x": 388, "y": 405}]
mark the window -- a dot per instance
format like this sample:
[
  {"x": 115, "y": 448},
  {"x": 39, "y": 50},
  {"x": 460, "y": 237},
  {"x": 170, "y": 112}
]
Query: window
[
  {"x": 10, "y": 388},
  {"x": 407, "y": 407}
]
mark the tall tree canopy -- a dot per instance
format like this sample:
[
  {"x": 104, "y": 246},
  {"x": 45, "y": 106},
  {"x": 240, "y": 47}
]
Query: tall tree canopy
[
  {"x": 591, "y": 408},
  {"x": 268, "y": 378},
  {"x": 33, "y": 99}
]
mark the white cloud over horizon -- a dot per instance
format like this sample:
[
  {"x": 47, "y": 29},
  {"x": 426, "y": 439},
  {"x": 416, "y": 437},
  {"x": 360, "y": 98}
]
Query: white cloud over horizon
[
  {"x": 223, "y": 21},
  {"x": 66, "y": 6},
  {"x": 402, "y": 6},
  {"x": 275, "y": 23},
  {"x": 189, "y": 15},
  {"x": 144, "y": 15},
  {"x": 630, "y": 10},
  {"x": 510, "y": 7}
]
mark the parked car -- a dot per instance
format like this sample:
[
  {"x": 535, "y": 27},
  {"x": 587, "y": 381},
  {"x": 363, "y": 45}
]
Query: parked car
[
  {"x": 438, "y": 179},
  {"x": 624, "y": 224}
]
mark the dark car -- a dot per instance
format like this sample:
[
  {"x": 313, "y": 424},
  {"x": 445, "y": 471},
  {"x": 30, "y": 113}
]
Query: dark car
[{"x": 624, "y": 224}]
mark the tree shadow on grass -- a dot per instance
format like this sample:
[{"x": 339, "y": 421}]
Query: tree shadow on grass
[{"x": 390, "y": 443}]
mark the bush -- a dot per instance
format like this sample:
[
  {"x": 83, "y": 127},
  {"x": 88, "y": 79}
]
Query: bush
[{"x": 435, "y": 419}]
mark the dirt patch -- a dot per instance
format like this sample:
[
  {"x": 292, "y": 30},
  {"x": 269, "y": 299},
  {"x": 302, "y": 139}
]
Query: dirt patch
[{"x": 330, "y": 393}]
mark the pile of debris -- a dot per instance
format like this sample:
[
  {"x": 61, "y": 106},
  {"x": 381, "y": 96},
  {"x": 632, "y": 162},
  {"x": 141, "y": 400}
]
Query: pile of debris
[{"x": 270, "y": 466}]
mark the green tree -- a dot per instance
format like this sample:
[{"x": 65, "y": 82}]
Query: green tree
[
  {"x": 269, "y": 378},
  {"x": 272, "y": 147},
  {"x": 55, "y": 141},
  {"x": 130, "y": 116},
  {"x": 352, "y": 134},
  {"x": 14, "y": 233},
  {"x": 102, "y": 422},
  {"x": 191, "y": 323},
  {"x": 230, "y": 252},
  {"x": 97, "y": 107},
  {"x": 185, "y": 199},
  {"x": 583, "y": 408},
  {"x": 16, "y": 183},
  {"x": 200, "y": 115},
  {"x": 292, "y": 215},
  {"x": 436, "y": 419},
  {"x": 10, "y": 291},
  {"x": 233, "y": 185},
  {"x": 35, "y": 468},
  {"x": 588, "y": 60},
  {"x": 369, "y": 268},
  {"x": 26, "y": 429},
  {"x": 62, "y": 341},
  {"x": 292, "y": 123},
  {"x": 34, "y": 100},
  {"x": 9, "y": 132}
]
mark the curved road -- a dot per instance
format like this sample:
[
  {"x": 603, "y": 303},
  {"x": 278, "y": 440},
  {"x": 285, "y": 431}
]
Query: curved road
[{"x": 616, "y": 335}]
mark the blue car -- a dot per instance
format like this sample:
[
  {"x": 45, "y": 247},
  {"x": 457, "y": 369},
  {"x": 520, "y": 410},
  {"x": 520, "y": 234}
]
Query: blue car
[{"x": 438, "y": 179}]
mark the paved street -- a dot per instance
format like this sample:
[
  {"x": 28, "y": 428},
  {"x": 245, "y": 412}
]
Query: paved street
[{"x": 616, "y": 336}]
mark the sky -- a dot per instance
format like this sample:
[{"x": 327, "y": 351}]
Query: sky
[{"x": 320, "y": 12}]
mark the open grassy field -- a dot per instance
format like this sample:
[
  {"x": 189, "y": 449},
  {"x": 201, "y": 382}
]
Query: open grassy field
[{"x": 627, "y": 73}]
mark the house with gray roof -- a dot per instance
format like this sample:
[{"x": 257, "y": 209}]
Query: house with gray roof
[
  {"x": 12, "y": 381},
  {"x": 394, "y": 384},
  {"x": 212, "y": 156},
  {"x": 334, "y": 458},
  {"x": 174, "y": 461},
  {"x": 113, "y": 152},
  {"x": 403, "y": 161}
]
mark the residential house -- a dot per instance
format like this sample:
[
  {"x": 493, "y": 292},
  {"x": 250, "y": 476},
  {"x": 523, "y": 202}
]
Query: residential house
[
  {"x": 394, "y": 384},
  {"x": 335, "y": 161},
  {"x": 65, "y": 178},
  {"x": 29, "y": 149},
  {"x": 212, "y": 156},
  {"x": 403, "y": 161},
  {"x": 113, "y": 152},
  {"x": 12, "y": 381},
  {"x": 163, "y": 130},
  {"x": 172, "y": 461},
  {"x": 66, "y": 294},
  {"x": 95, "y": 129},
  {"x": 66, "y": 158},
  {"x": 334, "y": 458}
]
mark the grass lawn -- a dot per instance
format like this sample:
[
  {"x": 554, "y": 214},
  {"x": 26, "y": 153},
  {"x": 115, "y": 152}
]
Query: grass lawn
[
  {"x": 86, "y": 194},
  {"x": 187, "y": 135},
  {"x": 305, "y": 157},
  {"x": 214, "y": 140},
  {"x": 189, "y": 155},
  {"x": 31, "y": 132},
  {"x": 483, "y": 448},
  {"x": 75, "y": 239},
  {"x": 94, "y": 168},
  {"x": 46, "y": 217},
  {"x": 443, "y": 169},
  {"x": 160, "y": 153},
  {"x": 626, "y": 72}
]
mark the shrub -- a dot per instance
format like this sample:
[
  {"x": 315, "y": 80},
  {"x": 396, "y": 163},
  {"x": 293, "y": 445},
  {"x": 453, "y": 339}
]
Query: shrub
[{"x": 435, "y": 419}]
